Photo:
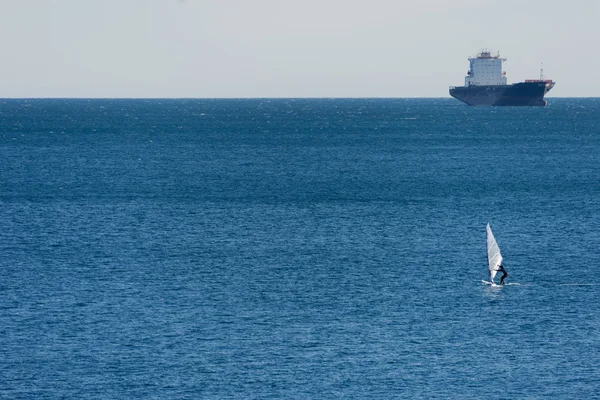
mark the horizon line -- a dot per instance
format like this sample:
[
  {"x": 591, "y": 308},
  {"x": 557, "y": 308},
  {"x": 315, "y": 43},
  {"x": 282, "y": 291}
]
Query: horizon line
[{"x": 261, "y": 97}]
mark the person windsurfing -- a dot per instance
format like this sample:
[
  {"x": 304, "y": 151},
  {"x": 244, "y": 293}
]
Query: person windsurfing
[{"x": 504, "y": 273}]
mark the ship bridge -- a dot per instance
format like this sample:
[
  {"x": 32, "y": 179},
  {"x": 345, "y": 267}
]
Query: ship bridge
[{"x": 485, "y": 69}]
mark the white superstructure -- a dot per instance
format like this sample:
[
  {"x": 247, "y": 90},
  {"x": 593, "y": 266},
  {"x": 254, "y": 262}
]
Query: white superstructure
[{"x": 485, "y": 69}]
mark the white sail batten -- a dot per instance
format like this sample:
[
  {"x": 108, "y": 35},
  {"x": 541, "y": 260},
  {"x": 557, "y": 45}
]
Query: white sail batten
[{"x": 493, "y": 253}]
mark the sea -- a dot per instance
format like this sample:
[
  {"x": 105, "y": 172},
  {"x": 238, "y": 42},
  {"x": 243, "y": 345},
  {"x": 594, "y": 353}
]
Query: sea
[{"x": 298, "y": 249}]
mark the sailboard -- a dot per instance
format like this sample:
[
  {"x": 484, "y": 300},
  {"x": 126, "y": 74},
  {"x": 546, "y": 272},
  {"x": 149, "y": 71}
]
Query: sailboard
[{"x": 493, "y": 255}]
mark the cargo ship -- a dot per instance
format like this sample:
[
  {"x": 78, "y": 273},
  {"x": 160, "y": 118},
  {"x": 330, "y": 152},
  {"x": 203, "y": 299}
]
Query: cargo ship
[{"x": 485, "y": 85}]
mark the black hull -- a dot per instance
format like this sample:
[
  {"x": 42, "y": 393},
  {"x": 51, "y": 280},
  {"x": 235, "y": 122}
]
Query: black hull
[{"x": 518, "y": 94}]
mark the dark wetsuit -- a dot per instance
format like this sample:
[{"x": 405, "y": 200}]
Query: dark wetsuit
[{"x": 505, "y": 274}]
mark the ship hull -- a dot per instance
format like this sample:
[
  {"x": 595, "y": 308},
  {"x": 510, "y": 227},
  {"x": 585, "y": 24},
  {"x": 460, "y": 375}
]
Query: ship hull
[{"x": 518, "y": 94}]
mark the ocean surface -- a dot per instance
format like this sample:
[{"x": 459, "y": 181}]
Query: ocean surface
[{"x": 298, "y": 249}]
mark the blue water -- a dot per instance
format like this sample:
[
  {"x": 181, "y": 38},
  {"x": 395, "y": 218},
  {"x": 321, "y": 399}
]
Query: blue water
[{"x": 297, "y": 249}]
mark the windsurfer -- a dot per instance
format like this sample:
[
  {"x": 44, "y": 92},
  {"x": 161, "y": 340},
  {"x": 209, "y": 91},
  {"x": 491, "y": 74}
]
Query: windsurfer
[{"x": 504, "y": 273}]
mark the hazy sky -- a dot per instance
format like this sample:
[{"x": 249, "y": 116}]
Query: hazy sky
[{"x": 289, "y": 48}]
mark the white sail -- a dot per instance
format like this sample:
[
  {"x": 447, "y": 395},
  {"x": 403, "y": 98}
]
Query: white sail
[{"x": 493, "y": 253}]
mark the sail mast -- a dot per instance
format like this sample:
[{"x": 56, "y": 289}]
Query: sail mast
[{"x": 493, "y": 253}]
